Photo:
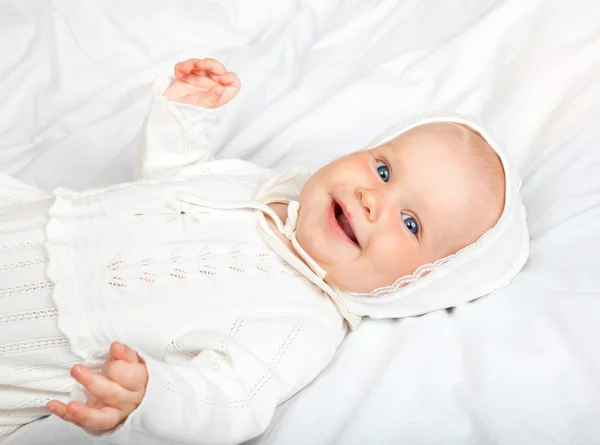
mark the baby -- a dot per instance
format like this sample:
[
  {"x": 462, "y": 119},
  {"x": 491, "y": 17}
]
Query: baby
[{"x": 191, "y": 303}]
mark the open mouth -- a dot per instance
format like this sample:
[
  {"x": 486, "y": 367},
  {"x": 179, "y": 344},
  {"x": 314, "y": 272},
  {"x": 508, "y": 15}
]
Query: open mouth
[{"x": 343, "y": 222}]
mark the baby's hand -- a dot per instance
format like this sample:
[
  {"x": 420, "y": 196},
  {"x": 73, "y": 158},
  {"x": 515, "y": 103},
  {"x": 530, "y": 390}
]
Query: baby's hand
[
  {"x": 203, "y": 82},
  {"x": 115, "y": 393}
]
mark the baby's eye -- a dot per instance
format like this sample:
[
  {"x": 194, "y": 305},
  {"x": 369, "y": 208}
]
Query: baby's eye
[
  {"x": 411, "y": 223},
  {"x": 383, "y": 170}
]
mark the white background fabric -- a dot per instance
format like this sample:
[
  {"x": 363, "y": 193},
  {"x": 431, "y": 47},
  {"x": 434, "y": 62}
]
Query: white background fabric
[{"x": 321, "y": 78}]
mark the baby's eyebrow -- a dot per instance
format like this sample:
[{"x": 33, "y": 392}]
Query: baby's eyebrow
[
  {"x": 395, "y": 158},
  {"x": 418, "y": 204}
]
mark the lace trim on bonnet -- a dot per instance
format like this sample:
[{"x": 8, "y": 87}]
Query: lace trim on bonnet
[
  {"x": 406, "y": 280},
  {"x": 419, "y": 273}
]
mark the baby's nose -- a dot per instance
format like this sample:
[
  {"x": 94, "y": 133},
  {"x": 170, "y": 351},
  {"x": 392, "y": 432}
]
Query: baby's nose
[{"x": 368, "y": 201}]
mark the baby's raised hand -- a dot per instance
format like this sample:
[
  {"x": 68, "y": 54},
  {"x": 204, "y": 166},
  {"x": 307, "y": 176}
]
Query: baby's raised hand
[
  {"x": 203, "y": 82},
  {"x": 114, "y": 394}
]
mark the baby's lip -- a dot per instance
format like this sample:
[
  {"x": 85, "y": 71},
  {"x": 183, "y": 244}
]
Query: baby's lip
[{"x": 349, "y": 218}]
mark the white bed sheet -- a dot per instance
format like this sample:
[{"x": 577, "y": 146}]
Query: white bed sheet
[{"x": 320, "y": 78}]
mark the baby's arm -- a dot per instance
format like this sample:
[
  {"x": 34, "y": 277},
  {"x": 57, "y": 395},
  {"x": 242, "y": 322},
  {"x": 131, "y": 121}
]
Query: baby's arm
[
  {"x": 180, "y": 128},
  {"x": 224, "y": 389}
]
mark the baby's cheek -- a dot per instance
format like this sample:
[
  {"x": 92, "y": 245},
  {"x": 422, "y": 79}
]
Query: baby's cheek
[{"x": 398, "y": 256}]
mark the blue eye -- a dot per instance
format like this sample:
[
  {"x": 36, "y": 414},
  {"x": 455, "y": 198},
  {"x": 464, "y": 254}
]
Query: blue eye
[
  {"x": 411, "y": 224},
  {"x": 383, "y": 170}
]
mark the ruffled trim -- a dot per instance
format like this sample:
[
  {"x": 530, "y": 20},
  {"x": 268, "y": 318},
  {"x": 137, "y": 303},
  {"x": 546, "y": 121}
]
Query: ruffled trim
[{"x": 66, "y": 295}]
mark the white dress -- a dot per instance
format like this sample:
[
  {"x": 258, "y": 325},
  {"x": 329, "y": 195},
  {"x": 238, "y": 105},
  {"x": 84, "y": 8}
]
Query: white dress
[
  {"x": 35, "y": 356},
  {"x": 183, "y": 267}
]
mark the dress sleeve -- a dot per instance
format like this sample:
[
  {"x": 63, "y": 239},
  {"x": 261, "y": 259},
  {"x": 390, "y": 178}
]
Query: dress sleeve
[
  {"x": 175, "y": 136},
  {"x": 227, "y": 390}
]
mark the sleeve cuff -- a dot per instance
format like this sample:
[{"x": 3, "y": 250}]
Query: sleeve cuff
[
  {"x": 184, "y": 113},
  {"x": 160, "y": 85}
]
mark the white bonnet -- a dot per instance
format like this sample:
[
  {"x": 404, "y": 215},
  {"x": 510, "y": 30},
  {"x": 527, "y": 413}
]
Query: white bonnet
[{"x": 480, "y": 268}]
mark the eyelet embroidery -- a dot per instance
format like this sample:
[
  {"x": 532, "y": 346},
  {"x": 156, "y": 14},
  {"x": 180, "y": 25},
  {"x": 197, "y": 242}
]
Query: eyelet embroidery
[
  {"x": 26, "y": 263},
  {"x": 26, "y": 317},
  {"x": 205, "y": 265},
  {"x": 116, "y": 281},
  {"x": 26, "y": 288},
  {"x": 10, "y": 200},
  {"x": 148, "y": 277},
  {"x": 6, "y": 248},
  {"x": 206, "y": 262},
  {"x": 268, "y": 262},
  {"x": 33, "y": 345},
  {"x": 238, "y": 257},
  {"x": 178, "y": 263}
]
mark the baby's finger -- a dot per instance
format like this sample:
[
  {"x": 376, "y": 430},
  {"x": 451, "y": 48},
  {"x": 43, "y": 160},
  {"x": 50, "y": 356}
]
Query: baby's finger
[
  {"x": 94, "y": 419},
  {"x": 213, "y": 96},
  {"x": 59, "y": 409},
  {"x": 131, "y": 376},
  {"x": 230, "y": 79},
  {"x": 56, "y": 407},
  {"x": 120, "y": 351},
  {"x": 177, "y": 71},
  {"x": 184, "y": 68},
  {"x": 210, "y": 65},
  {"x": 109, "y": 392},
  {"x": 198, "y": 80}
]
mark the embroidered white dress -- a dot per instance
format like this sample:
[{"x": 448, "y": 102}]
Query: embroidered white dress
[
  {"x": 182, "y": 266},
  {"x": 35, "y": 355}
]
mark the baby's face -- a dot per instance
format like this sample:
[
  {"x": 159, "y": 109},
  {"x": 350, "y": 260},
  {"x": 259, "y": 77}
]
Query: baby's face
[{"x": 374, "y": 216}]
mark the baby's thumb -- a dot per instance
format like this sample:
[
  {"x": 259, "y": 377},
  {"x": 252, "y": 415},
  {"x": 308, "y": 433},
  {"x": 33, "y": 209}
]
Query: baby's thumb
[{"x": 120, "y": 351}]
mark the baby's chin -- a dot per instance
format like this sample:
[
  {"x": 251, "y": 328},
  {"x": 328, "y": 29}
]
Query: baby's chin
[{"x": 354, "y": 284}]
